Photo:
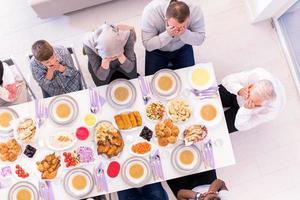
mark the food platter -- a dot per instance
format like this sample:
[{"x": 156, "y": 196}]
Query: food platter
[
  {"x": 63, "y": 110},
  {"x": 7, "y": 115},
  {"x": 141, "y": 148},
  {"x": 201, "y": 77},
  {"x": 108, "y": 139},
  {"x": 25, "y": 130},
  {"x": 136, "y": 171},
  {"x": 127, "y": 121},
  {"x": 78, "y": 182},
  {"x": 121, "y": 94},
  {"x": 47, "y": 169},
  {"x": 61, "y": 140},
  {"x": 23, "y": 189},
  {"x": 166, "y": 84},
  {"x": 179, "y": 110},
  {"x": 186, "y": 159},
  {"x": 209, "y": 112}
]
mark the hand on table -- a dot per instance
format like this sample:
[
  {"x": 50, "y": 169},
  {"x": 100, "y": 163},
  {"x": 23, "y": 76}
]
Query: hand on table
[
  {"x": 245, "y": 92},
  {"x": 249, "y": 104}
]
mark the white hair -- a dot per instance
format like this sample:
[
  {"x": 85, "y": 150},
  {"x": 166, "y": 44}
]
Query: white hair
[{"x": 264, "y": 89}]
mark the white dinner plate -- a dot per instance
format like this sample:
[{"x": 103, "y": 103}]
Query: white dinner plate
[
  {"x": 170, "y": 94},
  {"x": 68, "y": 183},
  {"x": 132, "y": 181},
  {"x": 6, "y": 131},
  {"x": 67, "y": 100},
  {"x": 113, "y": 101},
  {"x": 12, "y": 194},
  {"x": 179, "y": 166}
]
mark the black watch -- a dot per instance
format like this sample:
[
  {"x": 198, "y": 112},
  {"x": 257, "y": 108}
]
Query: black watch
[{"x": 198, "y": 194}]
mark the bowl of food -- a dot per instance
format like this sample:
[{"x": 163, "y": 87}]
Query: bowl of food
[
  {"x": 63, "y": 109},
  {"x": 23, "y": 190},
  {"x": 194, "y": 133},
  {"x": 136, "y": 171},
  {"x": 7, "y": 116},
  {"x": 210, "y": 112},
  {"x": 61, "y": 141},
  {"x": 128, "y": 120},
  {"x": 22, "y": 170},
  {"x": 201, "y": 77},
  {"x": 141, "y": 148},
  {"x": 186, "y": 159},
  {"x": 83, "y": 155},
  {"x": 108, "y": 139},
  {"x": 48, "y": 165},
  {"x": 78, "y": 182},
  {"x": 10, "y": 150},
  {"x": 155, "y": 111},
  {"x": 179, "y": 110},
  {"x": 166, "y": 132},
  {"x": 121, "y": 94},
  {"x": 25, "y": 130},
  {"x": 165, "y": 84}
]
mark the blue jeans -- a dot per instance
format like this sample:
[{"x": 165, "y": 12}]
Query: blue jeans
[
  {"x": 147, "y": 192},
  {"x": 157, "y": 59}
]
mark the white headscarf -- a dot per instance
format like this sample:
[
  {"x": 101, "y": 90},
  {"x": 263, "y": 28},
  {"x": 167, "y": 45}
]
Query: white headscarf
[{"x": 107, "y": 41}]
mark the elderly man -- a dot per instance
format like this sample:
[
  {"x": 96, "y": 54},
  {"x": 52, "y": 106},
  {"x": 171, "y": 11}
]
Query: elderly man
[
  {"x": 169, "y": 29},
  {"x": 252, "y": 98}
]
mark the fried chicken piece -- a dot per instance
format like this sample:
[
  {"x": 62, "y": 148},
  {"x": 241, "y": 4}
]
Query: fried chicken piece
[
  {"x": 168, "y": 123},
  {"x": 112, "y": 151},
  {"x": 174, "y": 130},
  {"x": 49, "y": 175}
]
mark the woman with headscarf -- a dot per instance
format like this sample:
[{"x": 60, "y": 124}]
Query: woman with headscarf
[
  {"x": 12, "y": 89},
  {"x": 110, "y": 51}
]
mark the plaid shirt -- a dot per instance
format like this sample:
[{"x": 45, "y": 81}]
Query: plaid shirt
[{"x": 61, "y": 83}]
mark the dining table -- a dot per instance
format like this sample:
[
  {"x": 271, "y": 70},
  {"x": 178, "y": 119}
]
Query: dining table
[{"x": 218, "y": 135}]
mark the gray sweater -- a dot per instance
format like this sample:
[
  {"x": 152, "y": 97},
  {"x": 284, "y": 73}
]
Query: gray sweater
[
  {"x": 155, "y": 36},
  {"x": 102, "y": 76}
]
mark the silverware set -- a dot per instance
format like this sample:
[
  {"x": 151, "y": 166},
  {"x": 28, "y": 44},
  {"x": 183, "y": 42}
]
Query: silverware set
[
  {"x": 156, "y": 166},
  {"x": 96, "y": 100},
  {"x": 100, "y": 179},
  {"x": 41, "y": 112},
  {"x": 211, "y": 92},
  {"x": 207, "y": 154},
  {"x": 45, "y": 190},
  {"x": 145, "y": 89}
]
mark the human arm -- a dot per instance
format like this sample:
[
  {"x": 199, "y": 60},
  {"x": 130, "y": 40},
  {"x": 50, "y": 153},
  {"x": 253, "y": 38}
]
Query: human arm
[
  {"x": 249, "y": 118},
  {"x": 151, "y": 38},
  {"x": 195, "y": 33},
  {"x": 186, "y": 194},
  {"x": 128, "y": 59},
  {"x": 96, "y": 61}
]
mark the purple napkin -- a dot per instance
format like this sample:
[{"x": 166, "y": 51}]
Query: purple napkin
[
  {"x": 50, "y": 190},
  {"x": 101, "y": 181}
]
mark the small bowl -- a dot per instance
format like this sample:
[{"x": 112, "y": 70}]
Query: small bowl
[{"x": 141, "y": 141}]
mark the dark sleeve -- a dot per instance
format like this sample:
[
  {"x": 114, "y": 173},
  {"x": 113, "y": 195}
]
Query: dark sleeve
[
  {"x": 130, "y": 62},
  {"x": 95, "y": 61}
]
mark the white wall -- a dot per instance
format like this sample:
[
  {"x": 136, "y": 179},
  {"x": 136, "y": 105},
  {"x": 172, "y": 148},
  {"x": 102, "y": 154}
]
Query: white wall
[{"x": 265, "y": 9}]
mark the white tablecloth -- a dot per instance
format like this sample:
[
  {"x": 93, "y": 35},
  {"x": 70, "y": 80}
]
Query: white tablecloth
[{"x": 223, "y": 154}]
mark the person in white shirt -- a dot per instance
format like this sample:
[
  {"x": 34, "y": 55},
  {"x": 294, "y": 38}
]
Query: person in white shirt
[
  {"x": 252, "y": 98},
  {"x": 216, "y": 191},
  {"x": 12, "y": 89}
]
